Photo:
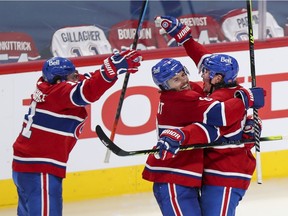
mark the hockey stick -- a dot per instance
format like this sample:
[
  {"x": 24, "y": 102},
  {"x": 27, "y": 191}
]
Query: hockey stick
[
  {"x": 120, "y": 152},
  {"x": 253, "y": 81},
  {"x": 126, "y": 79}
]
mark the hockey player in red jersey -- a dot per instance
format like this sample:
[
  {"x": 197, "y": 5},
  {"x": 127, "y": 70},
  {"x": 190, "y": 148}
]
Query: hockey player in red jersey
[
  {"x": 176, "y": 181},
  {"x": 52, "y": 127},
  {"x": 227, "y": 170}
]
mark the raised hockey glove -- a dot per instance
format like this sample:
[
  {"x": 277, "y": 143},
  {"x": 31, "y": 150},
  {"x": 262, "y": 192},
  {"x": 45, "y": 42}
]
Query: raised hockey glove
[
  {"x": 125, "y": 62},
  {"x": 249, "y": 128},
  {"x": 169, "y": 143},
  {"x": 173, "y": 27},
  {"x": 252, "y": 98}
]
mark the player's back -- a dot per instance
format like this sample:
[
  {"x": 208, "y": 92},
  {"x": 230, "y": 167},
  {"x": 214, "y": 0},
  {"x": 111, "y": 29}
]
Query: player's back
[
  {"x": 52, "y": 122},
  {"x": 235, "y": 164},
  {"x": 234, "y": 25},
  {"x": 78, "y": 41}
]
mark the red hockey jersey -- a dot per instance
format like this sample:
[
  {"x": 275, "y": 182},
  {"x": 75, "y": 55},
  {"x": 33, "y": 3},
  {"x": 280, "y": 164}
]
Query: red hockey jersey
[
  {"x": 232, "y": 166},
  {"x": 121, "y": 36},
  {"x": 225, "y": 166},
  {"x": 204, "y": 29},
  {"x": 54, "y": 122},
  {"x": 178, "y": 109},
  {"x": 235, "y": 165},
  {"x": 17, "y": 47}
]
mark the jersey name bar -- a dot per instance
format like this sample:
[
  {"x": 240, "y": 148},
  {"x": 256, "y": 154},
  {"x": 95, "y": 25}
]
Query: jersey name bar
[
  {"x": 15, "y": 45},
  {"x": 243, "y": 22},
  {"x": 81, "y": 36},
  {"x": 145, "y": 33},
  {"x": 196, "y": 21}
]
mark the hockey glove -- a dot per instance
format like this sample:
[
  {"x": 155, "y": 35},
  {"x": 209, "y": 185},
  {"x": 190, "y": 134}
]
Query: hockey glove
[
  {"x": 252, "y": 98},
  {"x": 181, "y": 33},
  {"x": 125, "y": 62},
  {"x": 169, "y": 143},
  {"x": 249, "y": 128}
]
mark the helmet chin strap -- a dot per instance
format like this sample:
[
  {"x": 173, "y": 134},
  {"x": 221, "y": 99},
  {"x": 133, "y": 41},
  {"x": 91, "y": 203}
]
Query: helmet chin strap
[{"x": 211, "y": 88}]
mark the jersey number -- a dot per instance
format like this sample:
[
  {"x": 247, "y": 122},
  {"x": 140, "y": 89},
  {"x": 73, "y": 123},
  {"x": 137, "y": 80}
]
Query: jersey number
[{"x": 26, "y": 130}]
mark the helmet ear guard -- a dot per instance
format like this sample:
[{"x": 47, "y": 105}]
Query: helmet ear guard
[
  {"x": 57, "y": 68},
  {"x": 222, "y": 64},
  {"x": 164, "y": 70}
]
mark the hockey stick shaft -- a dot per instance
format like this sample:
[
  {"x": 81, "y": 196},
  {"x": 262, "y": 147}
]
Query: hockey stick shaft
[
  {"x": 120, "y": 152},
  {"x": 126, "y": 79},
  {"x": 253, "y": 81}
]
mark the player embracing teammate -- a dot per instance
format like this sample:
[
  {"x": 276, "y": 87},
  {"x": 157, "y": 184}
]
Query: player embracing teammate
[{"x": 208, "y": 182}]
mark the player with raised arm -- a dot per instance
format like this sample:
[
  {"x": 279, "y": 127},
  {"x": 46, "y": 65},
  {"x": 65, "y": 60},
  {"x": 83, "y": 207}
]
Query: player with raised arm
[
  {"x": 227, "y": 170},
  {"x": 178, "y": 175},
  {"x": 52, "y": 127}
]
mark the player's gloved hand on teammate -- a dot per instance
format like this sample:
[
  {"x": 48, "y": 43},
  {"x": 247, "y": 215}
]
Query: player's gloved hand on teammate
[
  {"x": 126, "y": 61},
  {"x": 173, "y": 27},
  {"x": 169, "y": 143},
  {"x": 252, "y": 98},
  {"x": 249, "y": 128}
]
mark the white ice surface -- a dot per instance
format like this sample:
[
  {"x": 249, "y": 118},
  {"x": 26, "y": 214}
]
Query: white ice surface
[{"x": 267, "y": 199}]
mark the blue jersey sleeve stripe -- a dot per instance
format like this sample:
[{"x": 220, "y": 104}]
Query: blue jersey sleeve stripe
[
  {"x": 62, "y": 124},
  {"x": 215, "y": 115},
  {"x": 212, "y": 133},
  {"x": 77, "y": 96}
]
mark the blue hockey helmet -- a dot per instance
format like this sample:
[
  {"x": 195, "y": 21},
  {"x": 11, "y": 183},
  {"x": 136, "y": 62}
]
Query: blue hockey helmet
[
  {"x": 165, "y": 70},
  {"x": 57, "y": 67},
  {"x": 222, "y": 64}
]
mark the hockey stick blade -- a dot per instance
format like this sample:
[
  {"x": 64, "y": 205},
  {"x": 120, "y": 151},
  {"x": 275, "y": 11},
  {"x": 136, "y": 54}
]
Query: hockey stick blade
[
  {"x": 117, "y": 150},
  {"x": 120, "y": 152}
]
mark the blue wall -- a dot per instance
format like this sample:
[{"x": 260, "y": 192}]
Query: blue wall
[{"x": 41, "y": 19}]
